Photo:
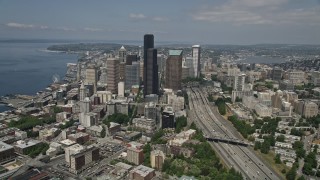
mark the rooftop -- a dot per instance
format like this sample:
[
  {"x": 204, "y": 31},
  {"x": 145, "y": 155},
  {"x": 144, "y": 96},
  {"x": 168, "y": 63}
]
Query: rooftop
[
  {"x": 143, "y": 170},
  {"x": 175, "y": 52},
  {"x": 4, "y": 146},
  {"x": 26, "y": 143},
  {"x": 67, "y": 142},
  {"x": 123, "y": 165}
]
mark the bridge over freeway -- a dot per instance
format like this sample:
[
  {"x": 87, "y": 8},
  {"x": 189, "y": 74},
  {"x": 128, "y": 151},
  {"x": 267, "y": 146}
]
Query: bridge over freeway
[{"x": 227, "y": 140}]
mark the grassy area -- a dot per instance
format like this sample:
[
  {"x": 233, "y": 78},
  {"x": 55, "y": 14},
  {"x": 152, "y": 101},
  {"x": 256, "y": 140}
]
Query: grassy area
[{"x": 269, "y": 158}]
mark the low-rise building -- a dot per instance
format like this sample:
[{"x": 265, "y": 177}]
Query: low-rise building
[
  {"x": 262, "y": 110},
  {"x": 142, "y": 173},
  {"x": 113, "y": 128},
  {"x": 48, "y": 134},
  {"x": 286, "y": 152},
  {"x": 54, "y": 149},
  {"x": 146, "y": 124},
  {"x": 283, "y": 145},
  {"x": 95, "y": 130},
  {"x": 23, "y": 146},
  {"x": 127, "y": 136},
  {"x": 79, "y": 138},
  {"x": 6, "y": 152}
]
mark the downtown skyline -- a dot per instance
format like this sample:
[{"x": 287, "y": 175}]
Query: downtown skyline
[{"x": 199, "y": 22}]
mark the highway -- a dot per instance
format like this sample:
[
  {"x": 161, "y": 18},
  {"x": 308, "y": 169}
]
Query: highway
[{"x": 239, "y": 157}]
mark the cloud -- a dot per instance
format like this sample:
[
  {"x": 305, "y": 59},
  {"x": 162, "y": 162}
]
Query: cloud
[
  {"x": 258, "y": 3},
  {"x": 65, "y": 29},
  {"x": 137, "y": 16},
  {"x": 242, "y": 12},
  {"x": 19, "y": 25},
  {"x": 92, "y": 29},
  {"x": 159, "y": 19}
]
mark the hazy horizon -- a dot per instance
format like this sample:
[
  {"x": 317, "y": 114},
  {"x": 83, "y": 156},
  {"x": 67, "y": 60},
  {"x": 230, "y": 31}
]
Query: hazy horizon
[{"x": 234, "y": 22}]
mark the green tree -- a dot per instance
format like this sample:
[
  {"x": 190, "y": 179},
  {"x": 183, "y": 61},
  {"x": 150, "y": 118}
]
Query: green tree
[
  {"x": 280, "y": 138},
  {"x": 103, "y": 132},
  {"x": 277, "y": 159},
  {"x": 291, "y": 175},
  {"x": 238, "y": 99},
  {"x": 257, "y": 145},
  {"x": 301, "y": 178},
  {"x": 307, "y": 169},
  {"x": 181, "y": 122},
  {"x": 117, "y": 118},
  {"x": 210, "y": 98},
  {"x": 57, "y": 109},
  {"x": 146, "y": 152},
  {"x": 298, "y": 147},
  {"x": 265, "y": 147}
]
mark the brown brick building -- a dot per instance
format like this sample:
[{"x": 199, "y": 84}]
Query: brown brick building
[{"x": 174, "y": 70}]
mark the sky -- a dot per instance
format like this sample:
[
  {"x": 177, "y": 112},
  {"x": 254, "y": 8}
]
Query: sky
[{"x": 185, "y": 21}]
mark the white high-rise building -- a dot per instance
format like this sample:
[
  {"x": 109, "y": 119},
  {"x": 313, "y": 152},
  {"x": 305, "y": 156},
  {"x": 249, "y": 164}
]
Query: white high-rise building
[
  {"x": 196, "y": 59},
  {"x": 239, "y": 82},
  {"x": 82, "y": 92},
  {"x": 122, "y": 54},
  {"x": 85, "y": 105},
  {"x": 121, "y": 89}
]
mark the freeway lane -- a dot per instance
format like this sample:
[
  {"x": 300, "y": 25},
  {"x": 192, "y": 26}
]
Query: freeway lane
[
  {"x": 242, "y": 158},
  {"x": 225, "y": 153}
]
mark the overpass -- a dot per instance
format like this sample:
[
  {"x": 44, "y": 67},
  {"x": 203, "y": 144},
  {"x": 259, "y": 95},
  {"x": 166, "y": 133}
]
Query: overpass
[{"x": 227, "y": 140}]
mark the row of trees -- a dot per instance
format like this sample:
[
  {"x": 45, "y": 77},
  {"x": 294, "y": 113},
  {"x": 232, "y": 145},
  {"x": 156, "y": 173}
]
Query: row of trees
[
  {"x": 157, "y": 137},
  {"x": 220, "y": 102},
  {"x": 181, "y": 122},
  {"x": 66, "y": 124},
  {"x": 244, "y": 128},
  {"x": 117, "y": 118},
  {"x": 310, "y": 162},
  {"x": 28, "y": 122},
  {"x": 37, "y": 149},
  {"x": 265, "y": 145}
]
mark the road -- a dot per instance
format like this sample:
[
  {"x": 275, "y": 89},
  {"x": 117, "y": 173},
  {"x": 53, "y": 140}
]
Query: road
[{"x": 241, "y": 158}]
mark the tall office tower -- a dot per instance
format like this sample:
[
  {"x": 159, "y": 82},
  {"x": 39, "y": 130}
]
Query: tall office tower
[
  {"x": 122, "y": 54},
  {"x": 189, "y": 64},
  {"x": 122, "y": 71},
  {"x": 150, "y": 70},
  {"x": 132, "y": 75},
  {"x": 78, "y": 72},
  {"x": 161, "y": 61},
  {"x": 103, "y": 76},
  {"x": 196, "y": 60},
  {"x": 276, "y": 74},
  {"x": 239, "y": 82},
  {"x": 174, "y": 70},
  {"x": 82, "y": 92},
  {"x": 185, "y": 72},
  {"x": 141, "y": 69},
  {"x": 112, "y": 74},
  {"x": 131, "y": 58},
  {"x": 168, "y": 119},
  {"x": 92, "y": 77}
]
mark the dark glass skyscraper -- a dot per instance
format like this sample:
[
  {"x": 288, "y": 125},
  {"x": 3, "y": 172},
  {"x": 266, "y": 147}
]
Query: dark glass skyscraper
[{"x": 150, "y": 67}]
